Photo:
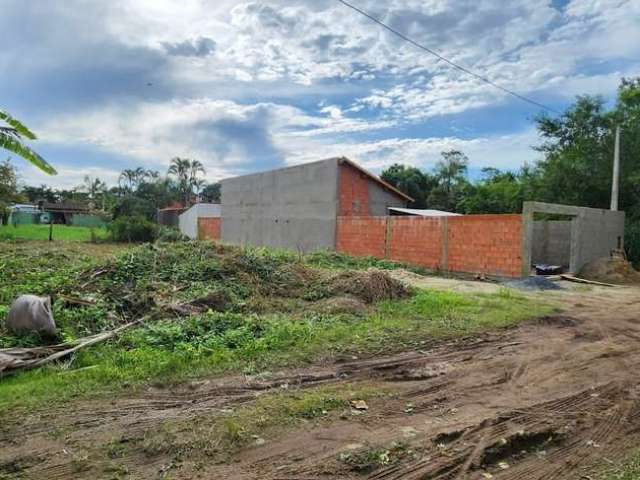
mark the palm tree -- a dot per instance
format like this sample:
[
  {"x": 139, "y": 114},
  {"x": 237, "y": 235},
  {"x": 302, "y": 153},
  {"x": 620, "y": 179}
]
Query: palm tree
[
  {"x": 11, "y": 139},
  {"x": 186, "y": 172},
  {"x": 130, "y": 179},
  {"x": 94, "y": 187},
  {"x": 198, "y": 185},
  {"x": 127, "y": 179}
]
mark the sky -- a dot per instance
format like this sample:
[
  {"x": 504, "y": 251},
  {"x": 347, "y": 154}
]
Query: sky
[{"x": 246, "y": 86}]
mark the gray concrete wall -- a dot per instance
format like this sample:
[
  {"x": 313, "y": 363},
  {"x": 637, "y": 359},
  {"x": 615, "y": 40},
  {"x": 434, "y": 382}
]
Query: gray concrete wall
[
  {"x": 380, "y": 199},
  {"x": 551, "y": 242},
  {"x": 594, "y": 232},
  {"x": 293, "y": 208},
  {"x": 599, "y": 232}
]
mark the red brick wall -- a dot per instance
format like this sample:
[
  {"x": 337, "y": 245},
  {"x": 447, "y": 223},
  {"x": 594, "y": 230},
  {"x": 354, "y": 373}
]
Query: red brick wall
[
  {"x": 361, "y": 236},
  {"x": 486, "y": 244},
  {"x": 489, "y": 244},
  {"x": 208, "y": 228},
  {"x": 353, "y": 192},
  {"x": 415, "y": 240}
]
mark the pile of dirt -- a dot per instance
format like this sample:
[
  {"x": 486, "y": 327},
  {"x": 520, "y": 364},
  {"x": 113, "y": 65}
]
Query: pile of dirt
[
  {"x": 370, "y": 286},
  {"x": 614, "y": 270}
]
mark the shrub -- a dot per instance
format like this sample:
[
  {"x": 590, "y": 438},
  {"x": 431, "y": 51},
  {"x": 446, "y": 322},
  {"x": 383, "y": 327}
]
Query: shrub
[
  {"x": 632, "y": 242},
  {"x": 170, "y": 234},
  {"x": 133, "y": 229}
]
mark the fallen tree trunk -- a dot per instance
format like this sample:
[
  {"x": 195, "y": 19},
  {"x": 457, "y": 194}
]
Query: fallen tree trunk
[{"x": 18, "y": 359}]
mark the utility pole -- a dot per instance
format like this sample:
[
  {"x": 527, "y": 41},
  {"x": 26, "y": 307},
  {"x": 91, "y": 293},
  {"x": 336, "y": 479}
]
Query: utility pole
[{"x": 616, "y": 171}]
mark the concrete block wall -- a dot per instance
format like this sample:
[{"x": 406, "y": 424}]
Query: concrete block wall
[
  {"x": 489, "y": 244},
  {"x": 416, "y": 240},
  {"x": 358, "y": 194},
  {"x": 353, "y": 196},
  {"x": 551, "y": 242},
  {"x": 594, "y": 232},
  {"x": 361, "y": 236},
  {"x": 293, "y": 207},
  {"x": 209, "y": 228}
]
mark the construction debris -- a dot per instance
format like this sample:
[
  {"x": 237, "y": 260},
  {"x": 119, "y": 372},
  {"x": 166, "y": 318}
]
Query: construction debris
[
  {"x": 31, "y": 314},
  {"x": 614, "y": 270},
  {"x": 571, "y": 278},
  {"x": 17, "y": 359}
]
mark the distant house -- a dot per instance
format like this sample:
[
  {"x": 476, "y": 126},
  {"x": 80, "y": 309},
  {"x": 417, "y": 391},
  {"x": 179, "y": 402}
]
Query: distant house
[
  {"x": 169, "y": 216},
  {"x": 201, "y": 221},
  {"x": 64, "y": 213},
  {"x": 297, "y": 207},
  {"x": 21, "y": 214}
]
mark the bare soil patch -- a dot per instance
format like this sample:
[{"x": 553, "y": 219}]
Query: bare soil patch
[{"x": 548, "y": 399}]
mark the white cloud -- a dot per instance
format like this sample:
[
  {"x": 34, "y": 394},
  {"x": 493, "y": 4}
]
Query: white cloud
[
  {"x": 243, "y": 75},
  {"x": 507, "y": 152},
  {"x": 229, "y": 138},
  {"x": 69, "y": 176}
]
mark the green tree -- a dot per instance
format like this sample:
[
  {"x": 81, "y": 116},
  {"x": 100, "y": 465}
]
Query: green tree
[
  {"x": 450, "y": 173},
  {"x": 130, "y": 179},
  {"x": 496, "y": 192},
  {"x": 186, "y": 172},
  {"x": 96, "y": 191},
  {"x": 211, "y": 193},
  {"x": 12, "y": 136},
  {"x": 43, "y": 192},
  {"x": 578, "y": 155},
  {"x": 8, "y": 189},
  {"x": 412, "y": 181}
]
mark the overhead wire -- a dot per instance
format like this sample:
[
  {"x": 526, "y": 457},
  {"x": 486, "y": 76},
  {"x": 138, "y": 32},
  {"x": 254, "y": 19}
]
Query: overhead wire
[{"x": 446, "y": 60}]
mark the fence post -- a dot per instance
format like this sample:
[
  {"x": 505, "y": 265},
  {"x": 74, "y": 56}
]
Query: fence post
[
  {"x": 444, "y": 259},
  {"x": 388, "y": 225}
]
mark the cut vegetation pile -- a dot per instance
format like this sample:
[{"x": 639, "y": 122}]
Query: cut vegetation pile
[{"x": 184, "y": 278}]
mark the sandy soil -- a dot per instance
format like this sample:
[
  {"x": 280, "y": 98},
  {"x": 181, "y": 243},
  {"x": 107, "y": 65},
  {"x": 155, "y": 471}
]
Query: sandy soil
[{"x": 551, "y": 399}]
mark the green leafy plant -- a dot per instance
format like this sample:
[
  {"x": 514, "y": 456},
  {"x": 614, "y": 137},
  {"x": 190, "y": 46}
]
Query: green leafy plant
[
  {"x": 12, "y": 137},
  {"x": 133, "y": 229}
]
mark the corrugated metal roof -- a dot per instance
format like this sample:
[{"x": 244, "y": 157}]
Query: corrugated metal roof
[{"x": 424, "y": 212}]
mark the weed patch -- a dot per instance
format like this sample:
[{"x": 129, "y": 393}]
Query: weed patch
[
  {"x": 219, "y": 308},
  {"x": 370, "y": 457},
  {"x": 629, "y": 470}
]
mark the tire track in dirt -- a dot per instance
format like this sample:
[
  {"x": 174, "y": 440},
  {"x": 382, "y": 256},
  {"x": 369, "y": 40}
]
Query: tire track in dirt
[{"x": 475, "y": 402}]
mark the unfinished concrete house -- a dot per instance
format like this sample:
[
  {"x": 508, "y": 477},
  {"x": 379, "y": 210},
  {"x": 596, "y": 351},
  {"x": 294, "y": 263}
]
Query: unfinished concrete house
[
  {"x": 569, "y": 236},
  {"x": 297, "y": 207},
  {"x": 335, "y": 204}
]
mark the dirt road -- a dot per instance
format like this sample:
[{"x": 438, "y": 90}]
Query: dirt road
[{"x": 550, "y": 399}]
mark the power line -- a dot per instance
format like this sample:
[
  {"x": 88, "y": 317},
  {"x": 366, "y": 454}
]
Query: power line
[{"x": 446, "y": 60}]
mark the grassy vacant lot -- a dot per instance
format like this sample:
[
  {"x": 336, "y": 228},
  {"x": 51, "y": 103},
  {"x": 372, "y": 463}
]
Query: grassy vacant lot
[
  {"x": 212, "y": 309},
  {"x": 41, "y": 232}
]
